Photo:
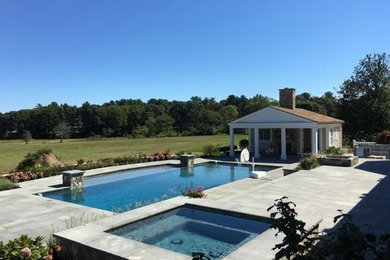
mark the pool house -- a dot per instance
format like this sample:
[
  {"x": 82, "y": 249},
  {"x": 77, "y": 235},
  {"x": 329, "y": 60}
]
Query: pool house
[{"x": 286, "y": 130}]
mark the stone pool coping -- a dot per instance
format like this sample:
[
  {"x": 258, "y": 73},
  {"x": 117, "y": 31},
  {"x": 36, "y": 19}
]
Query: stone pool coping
[
  {"x": 362, "y": 190},
  {"x": 318, "y": 193},
  {"x": 93, "y": 240},
  {"x": 23, "y": 212}
]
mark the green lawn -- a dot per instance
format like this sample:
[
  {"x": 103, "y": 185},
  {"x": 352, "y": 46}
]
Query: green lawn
[{"x": 13, "y": 151}]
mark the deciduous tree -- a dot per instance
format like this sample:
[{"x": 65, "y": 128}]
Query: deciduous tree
[{"x": 365, "y": 98}]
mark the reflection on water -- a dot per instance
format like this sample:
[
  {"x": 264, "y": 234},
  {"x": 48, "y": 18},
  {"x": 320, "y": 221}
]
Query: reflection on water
[
  {"x": 232, "y": 174},
  {"x": 187, "y": 172},
  {"x": 76, "y": 193}
]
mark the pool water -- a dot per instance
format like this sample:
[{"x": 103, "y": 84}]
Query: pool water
[
  {"x": 126, "y": 190},
  {"x": 187, "y": 230}
]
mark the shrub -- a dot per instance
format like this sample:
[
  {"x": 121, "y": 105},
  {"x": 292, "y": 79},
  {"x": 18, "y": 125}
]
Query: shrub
[
  {"x": 211, "y": 150},
  {"x": 7, "y": 184},
  {"x": 308, "y": 163},
  {"x": 345, "y": 241},
  {"x": 32, "y": 159},
  {"x": 383, "y": 137},
  {"x": 332, "y": 150},
  {"x": 24, "y": 176},
  {"x": 80, "y": 161},
  {"x": 51, "y": 170},
  {"x": 107, "y": 161},
  {"x": 195, "y": 193},
  {"x": 24, "y": 247},
  {"x": 244, "y": 143},
  {"x": 293, "y": 245}
]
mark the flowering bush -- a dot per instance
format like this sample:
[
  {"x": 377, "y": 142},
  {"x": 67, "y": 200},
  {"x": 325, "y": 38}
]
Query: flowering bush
[
  {"x": 158, "y": 156},
  {"x": 24, "y": 247},
  {"x": 25, "y": 252},
  {"x": 195, "y": 193},
  {"x": 24, "y": 176}
]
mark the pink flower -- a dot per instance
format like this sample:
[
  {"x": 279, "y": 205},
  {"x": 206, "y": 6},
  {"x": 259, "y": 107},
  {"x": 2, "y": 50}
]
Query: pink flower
[{"x": 26, "y": 252}]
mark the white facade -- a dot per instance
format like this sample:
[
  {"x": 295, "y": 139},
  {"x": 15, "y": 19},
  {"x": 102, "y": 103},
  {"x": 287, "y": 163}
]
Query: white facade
[{"x": 272, "y": 131}]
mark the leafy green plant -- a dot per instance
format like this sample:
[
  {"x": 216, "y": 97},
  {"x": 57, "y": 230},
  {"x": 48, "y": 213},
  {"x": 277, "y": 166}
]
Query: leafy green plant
[
  {"x": 181, "y": 152},
  {"x": 308, "y": 163},
  {"x": 195, "y": 193},
  {"x": 80, "y": 161},
  {"x": 24, "y": 247},
  {"x": 199, "y": 256},
  {"x": 32, "y": 159},
  {"x": 297, "y": 240},
  {"x": 6, "y": 184},
  {"x": 211, "y": 150},
  {"x": 345, "y": 242},
  {"x": 332, "y": 150}
]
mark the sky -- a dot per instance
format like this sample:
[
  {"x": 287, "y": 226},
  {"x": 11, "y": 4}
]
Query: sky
[{"x": 72, "y": 51}]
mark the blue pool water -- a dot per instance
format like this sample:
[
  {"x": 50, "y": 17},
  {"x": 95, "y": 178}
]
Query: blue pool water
[
  {"x": 186, "y": 230},
  {"x": 126, "y": 190}
]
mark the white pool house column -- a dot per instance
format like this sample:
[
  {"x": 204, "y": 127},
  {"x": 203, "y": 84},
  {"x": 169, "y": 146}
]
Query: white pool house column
[
  {"x": 314, "y": 140},
  {"x": 327, "y": 137},
  {"x": 320, "y": 140},
  {"x": 250, "y": 140},
  {"x": 257, "y": 155},
  {"x": 300, "y": 140},
  {"x": 231, "y": 135},
  {"x": 283, "y": 155}
]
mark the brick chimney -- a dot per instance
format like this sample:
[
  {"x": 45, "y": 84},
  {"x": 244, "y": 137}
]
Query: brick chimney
[{"x": 287, "y": 98}]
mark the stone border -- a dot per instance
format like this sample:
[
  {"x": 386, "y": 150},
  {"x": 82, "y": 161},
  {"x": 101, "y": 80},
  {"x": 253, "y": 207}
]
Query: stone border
[{"x": 93, "y": 240}]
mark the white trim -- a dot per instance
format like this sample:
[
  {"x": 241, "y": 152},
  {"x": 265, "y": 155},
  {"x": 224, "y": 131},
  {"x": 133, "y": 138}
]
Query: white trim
[
  {"x": 231, "y": 135},
  {"x": 301, "y": 140},
  {"x": 271, "y": 110},
  {"x": 273, "y": 125},
  {"x": 314, "y": 139},
  {"x": 283, "y": 155},
  {"x": 257, "y": 143}
]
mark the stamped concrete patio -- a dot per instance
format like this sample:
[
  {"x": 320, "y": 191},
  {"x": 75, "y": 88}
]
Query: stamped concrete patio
[{"x": 363, "y": 191}]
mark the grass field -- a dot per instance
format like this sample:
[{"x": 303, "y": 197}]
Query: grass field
[{"x": 13, "y": 151}]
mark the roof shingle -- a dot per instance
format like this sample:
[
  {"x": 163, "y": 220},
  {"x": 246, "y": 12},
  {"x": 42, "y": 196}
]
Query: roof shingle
[{"x": 307, "y": 114}]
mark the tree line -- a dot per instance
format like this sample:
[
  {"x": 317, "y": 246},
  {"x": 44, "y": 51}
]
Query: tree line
[{"x": 363, "y": 102}]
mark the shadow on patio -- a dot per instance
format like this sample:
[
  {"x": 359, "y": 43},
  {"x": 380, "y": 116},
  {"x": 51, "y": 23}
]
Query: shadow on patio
[{"x": 372, "y": 213}]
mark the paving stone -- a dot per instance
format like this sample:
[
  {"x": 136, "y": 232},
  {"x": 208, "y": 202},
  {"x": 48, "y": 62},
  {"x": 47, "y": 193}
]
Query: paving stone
[{"x": 363, "y": 191}]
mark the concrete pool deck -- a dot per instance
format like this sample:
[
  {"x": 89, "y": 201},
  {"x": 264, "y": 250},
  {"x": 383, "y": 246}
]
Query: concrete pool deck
[{"x": 363, "y": 190}]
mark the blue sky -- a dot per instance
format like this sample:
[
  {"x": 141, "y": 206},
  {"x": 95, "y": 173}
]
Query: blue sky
[{"x": 73, "y": 51}]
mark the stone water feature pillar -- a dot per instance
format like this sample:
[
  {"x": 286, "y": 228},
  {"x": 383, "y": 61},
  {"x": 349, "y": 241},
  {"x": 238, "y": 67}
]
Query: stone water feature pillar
[
  {"x": 73, "y": 178},
  {"x": 187, "y": 160}
]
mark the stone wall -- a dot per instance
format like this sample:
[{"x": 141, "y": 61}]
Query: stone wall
[
  {"x": 72, "y": 178},
  {"x": 339, "y": 160},
  {"x": 366, "y": 150}
]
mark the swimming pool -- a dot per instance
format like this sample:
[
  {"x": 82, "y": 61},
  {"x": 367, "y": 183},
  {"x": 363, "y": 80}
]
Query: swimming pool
[
  {"x": 126, "y": 190},
  {"x": 191, "y": 229}
]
